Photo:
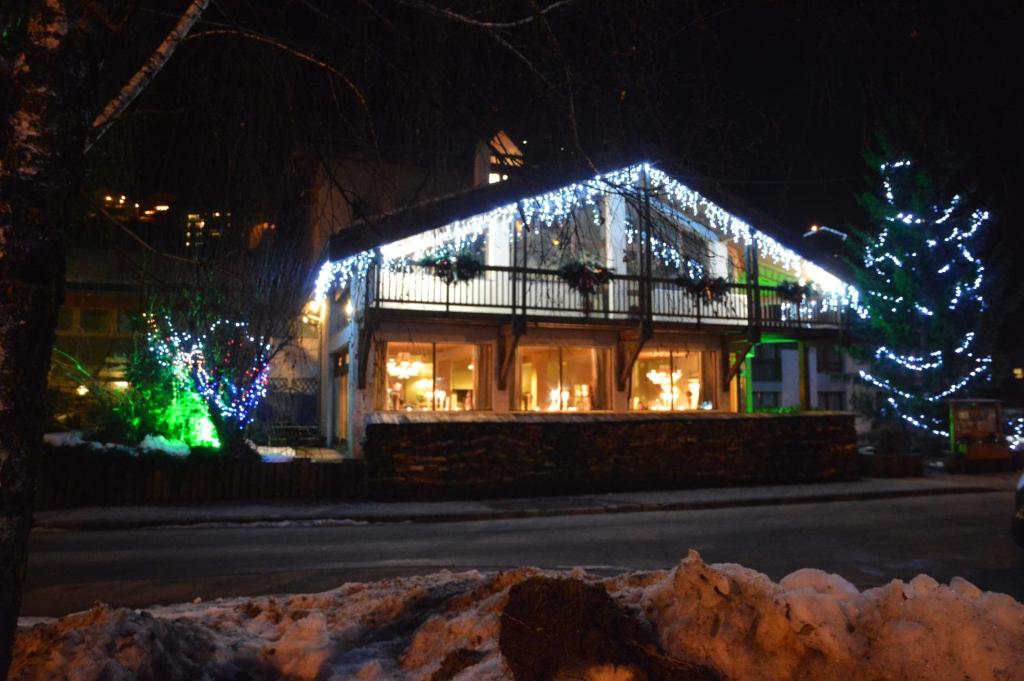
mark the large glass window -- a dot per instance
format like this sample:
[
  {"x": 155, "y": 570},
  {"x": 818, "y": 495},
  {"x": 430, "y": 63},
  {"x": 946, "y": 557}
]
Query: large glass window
[
  {"x": 581, "y": 235},
  {"x": 676, "y": 248},
  {"x": 562, "y": 379},
  {"x": 672, "y": 380},
  {"x": 435, "y": 377}
]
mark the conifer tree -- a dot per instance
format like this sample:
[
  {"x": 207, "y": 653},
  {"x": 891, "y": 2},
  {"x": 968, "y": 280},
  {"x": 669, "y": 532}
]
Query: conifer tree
[{"x": 922, "y": 295}]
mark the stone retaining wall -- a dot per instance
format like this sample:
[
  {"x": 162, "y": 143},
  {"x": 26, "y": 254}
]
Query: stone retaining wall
[{"x": 424, "y": 455}]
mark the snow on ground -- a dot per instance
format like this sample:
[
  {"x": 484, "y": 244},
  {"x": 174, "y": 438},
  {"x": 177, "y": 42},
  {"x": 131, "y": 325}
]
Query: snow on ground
[
  {"x": 157, "y": 443},
  {"x": 75, "y": 438},
  {"x": 809, "y": 626},
  {"x": 274, "y": 454}
]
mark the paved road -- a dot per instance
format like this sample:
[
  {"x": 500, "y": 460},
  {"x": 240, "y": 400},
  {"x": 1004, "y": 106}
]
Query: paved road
[{"x": 869, "y": 542}]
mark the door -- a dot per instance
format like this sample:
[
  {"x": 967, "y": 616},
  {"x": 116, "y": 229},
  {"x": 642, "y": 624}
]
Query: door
[{"x": 340, "y": 430}]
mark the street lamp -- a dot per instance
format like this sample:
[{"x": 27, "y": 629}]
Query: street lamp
[{"x": 817, "y": 229}]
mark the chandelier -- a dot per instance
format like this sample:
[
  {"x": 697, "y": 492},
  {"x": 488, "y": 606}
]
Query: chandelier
[{"x": 404, "y": 368}]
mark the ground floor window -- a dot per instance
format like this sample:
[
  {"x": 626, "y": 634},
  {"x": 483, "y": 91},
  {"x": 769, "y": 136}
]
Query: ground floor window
[
  {"x": 553, "y": 378},
  {"x": 672, "y": 380},
  {"x": 435, "y": 377},
  {"x": 832, "y": 400},
  {"x": 764, "y": 399}
]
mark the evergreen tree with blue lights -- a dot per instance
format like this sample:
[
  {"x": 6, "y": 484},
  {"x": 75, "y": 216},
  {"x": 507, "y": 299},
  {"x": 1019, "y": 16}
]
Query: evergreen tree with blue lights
[{"x": 922, "y": 295}]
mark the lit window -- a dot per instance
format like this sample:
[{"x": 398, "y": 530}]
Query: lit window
[
  {"x": 1018, "y": 373},
  {"x": 670, "y": 380},
  {"x": 435, "y": 377},
  {"x": 562, "y": 379}
]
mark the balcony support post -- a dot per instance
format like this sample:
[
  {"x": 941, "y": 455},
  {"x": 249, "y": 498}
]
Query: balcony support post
[
  {"x": 647, "y": 256},
  {"x": 508, "y": 342},
  {"x": 741, "y": 357},
  {"x": 364, "y": 341},
  {"x": 627, "y": 350},
  {"x": 753, "y": 295},
  {"x": 805, "y": 376}
]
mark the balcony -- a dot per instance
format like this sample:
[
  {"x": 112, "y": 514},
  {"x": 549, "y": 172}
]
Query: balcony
[{"x": 539, "y": 293}]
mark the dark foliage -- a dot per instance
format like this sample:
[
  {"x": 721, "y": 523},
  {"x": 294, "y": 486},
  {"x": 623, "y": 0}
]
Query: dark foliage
[
  {"x": 584, "y": 277},
  {"x": 462, "y": 266},
  {"x": 794, "y": 292},
  {"x": 709, "y": 288}
]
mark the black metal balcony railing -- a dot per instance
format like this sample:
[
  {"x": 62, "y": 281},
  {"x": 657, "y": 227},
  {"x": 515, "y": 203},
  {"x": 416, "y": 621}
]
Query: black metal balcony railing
[{"x": 544, "y": 293}]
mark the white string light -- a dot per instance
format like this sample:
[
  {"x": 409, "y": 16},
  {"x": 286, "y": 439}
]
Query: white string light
[{"x": 552, "y": 207}]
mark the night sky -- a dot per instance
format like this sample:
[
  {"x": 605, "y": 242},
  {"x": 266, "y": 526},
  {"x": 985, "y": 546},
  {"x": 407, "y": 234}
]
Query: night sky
[{"x": 772, "y": 102}]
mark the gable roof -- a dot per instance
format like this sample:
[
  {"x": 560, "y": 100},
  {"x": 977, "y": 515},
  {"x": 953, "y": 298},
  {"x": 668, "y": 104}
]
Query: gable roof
[
  {"x": 434, "y": 213},
  {"x": 533, "y": 190}
]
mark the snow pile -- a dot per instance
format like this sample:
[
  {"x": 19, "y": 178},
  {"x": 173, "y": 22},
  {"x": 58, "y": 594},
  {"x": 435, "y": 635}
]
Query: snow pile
[
  {"x": 159, "y": 443},
  {"x": 270, "y": 454},
  {"x": 75, "y": 438},
  {"x": 811, "y": 625},
  {"x": 814, "y": 625},
  {"x": 113, "y": 644}
]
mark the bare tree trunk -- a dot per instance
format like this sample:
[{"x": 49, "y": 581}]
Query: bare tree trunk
[{"x": 40, "y": 170}]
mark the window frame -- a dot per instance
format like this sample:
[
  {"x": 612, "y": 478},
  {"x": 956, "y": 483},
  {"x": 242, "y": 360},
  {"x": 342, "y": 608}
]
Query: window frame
[
  {"x": 706, "y": 382},
  {"x": 482, "y": 390},
  {"x": 602, "y": 392}
]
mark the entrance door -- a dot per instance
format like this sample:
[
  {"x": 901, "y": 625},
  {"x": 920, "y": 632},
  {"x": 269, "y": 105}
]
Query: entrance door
[{"x": 340, "y": 431}]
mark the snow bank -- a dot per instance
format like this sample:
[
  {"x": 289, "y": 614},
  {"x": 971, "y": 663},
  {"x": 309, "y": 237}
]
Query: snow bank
[
  {"x": 274, "y": 454},
  {"x": 159, "y": 443},
  {"x": 811, "y": 625},
  {"x": 74, "y": 438}
]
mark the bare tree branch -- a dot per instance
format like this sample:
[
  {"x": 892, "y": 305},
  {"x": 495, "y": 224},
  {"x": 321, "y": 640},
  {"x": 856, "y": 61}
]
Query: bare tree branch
[
  {"x": 490, "y": 25},
  {"x": 298, "y": 54},
  {"x": 144, "y": 75},
  {"x": 569, "y": 81},
  {"x": 491, "y": 28}
]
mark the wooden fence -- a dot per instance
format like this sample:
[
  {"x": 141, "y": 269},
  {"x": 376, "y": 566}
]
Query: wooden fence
[{"x": 82, "y": 477}]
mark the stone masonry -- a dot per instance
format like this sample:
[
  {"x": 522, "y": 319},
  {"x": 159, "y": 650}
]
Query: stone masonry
[{"x": 432, "y": 455}]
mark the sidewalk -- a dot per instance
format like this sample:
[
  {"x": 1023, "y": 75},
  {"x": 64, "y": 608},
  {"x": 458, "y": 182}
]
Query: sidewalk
[{"x": 128, "y": 517}]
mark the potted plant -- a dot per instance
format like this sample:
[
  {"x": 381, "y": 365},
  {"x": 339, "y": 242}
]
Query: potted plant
[
  {"x": 709, "y": 288},
  {"x": 461, "y": 266},
  {"x": 794, "y": 292},
  {"x": 584, "y": 276}
]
